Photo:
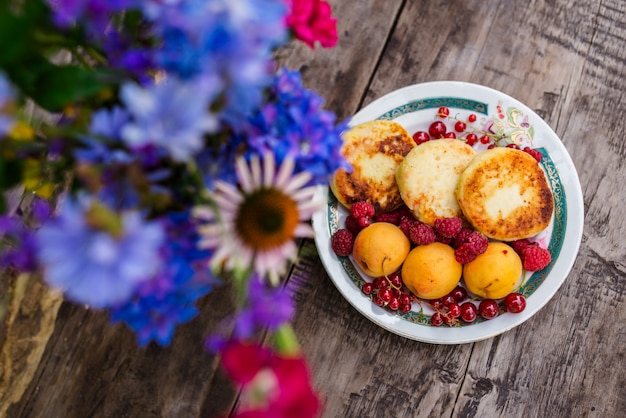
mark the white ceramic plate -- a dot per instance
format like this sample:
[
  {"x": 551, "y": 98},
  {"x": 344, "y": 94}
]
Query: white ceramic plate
[{"x": 415, "y": 107}]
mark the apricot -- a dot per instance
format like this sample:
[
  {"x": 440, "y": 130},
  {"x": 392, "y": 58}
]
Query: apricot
[
  {"x": 380, "y": 249},
  {"x": 431, "y": 271},
  {"x": 494, "y": 273}
]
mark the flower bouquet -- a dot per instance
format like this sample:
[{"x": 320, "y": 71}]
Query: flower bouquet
[{"x": 168, "y": 155}]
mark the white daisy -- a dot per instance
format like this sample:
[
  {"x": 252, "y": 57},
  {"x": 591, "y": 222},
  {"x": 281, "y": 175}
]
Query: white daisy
[{"x": 254, "y": 225}]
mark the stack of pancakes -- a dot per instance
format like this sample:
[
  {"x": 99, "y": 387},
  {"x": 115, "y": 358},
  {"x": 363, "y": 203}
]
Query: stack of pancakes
[{"x": 501, "y": 192}]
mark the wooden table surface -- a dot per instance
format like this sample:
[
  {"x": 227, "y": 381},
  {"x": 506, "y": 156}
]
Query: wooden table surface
[{"x": 565, "y": 59}]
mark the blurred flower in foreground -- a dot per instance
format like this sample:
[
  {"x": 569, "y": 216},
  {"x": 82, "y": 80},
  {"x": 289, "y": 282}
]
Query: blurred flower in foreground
[
  {"x": 257, "y": 223},
  {"x": 95, "y": 256},
  {"x": 274, "y": 386},
  {"x": 311, "y": 21},
  {"x": 6, "y": 97}
]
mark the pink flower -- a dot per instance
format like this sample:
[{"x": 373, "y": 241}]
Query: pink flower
[
  {"x": 272, "y": 386},
  {"x": 311, "y": 21}
]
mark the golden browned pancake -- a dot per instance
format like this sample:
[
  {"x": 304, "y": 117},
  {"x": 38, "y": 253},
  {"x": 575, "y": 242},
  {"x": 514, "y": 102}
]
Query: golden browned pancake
[
  {"x": 374, "y": 149},
  {"x": 428, "y": 178},
  {"x": 505, "y": 195}
]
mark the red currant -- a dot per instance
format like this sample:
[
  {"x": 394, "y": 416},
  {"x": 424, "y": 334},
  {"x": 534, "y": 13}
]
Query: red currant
[
  {"x": 395, "y": 279},
  {"x": 405, "y": 308},
  {"x": 367, "y": 288},
  {"x": 448, "y": 300},
  {"x": 381, "y": 283},
  {"x": 491, "y": 146},
  {"x": 437, "y": 129},
  {"x": 471, "y": 118},
  {"x": 378, "y": 301},
  {"x": 460, "y": 126},
  {"x": 468, "y": 312},
  {"x": 454, "y": 310},
  {"x": 449, "y": 135},
  {"x": 488, "y": 308},
  {"x": 471, "y": 139},
  {"x": 405, "y": 299},
  {"x": 436, "y": 320},
  {"x": 394, "y": 304},
  {"x": 515, "y": 302},
  {"x": 385, "y": 294},
  {"x": 437, "y": 304},
  {"x": 514, "y": 146},
  {"x": 420, "y": 137},
  {"x": 485, "y": 139},
  {"x": 443, "y": 112},
  {"x": 459, "y": 294}
]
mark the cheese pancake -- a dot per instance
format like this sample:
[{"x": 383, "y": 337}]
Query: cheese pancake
[
  {"x": 374, "y": 149},
  {"x": 505, "y": 195},
  {"x": 429, "y": 175}
]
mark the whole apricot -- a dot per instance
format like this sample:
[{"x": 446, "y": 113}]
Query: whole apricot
[
  {"x": 494, "y": 273},
  {"x": 380, "y": 249},
  {"x": 431, "y": 271}
]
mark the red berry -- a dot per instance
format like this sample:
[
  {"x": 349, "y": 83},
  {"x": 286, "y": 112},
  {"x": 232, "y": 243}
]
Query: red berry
[
  {"x": 405, "y": 225},
  {"x": 485, "y": 139},
  {"x": 520, "y": 244},
  {"x": 460, "y": 126},
  {"x": 405, "y": 308},
  {"x": 449, "y": 135},
  {"x": 405, "y": 299},
  {"x": 535, "y": 258},
  {"x": 352, "y": 225},
  {"x": 465, "y": 253},
  {"x": 395, "y": 280},
  {"x": 471, "y": 139},
  {"x": 443, "y": 112},
  {"x": 394, "y": 304},
  {"x": 362, "y": 209},
  {"x": 342, "y": 242},
  {"x": 459, "y": 294},
  {"x": 514, "y": 302},
  {"x": 491, "y": 146},
  {"x": 454, "y": 310},
  {"x": 488, "y": 308},
  {"x": 364, "y": 221},
  {"x": 385, "y": 294},
  {"x": 514, "y": 146},
  {"x": 437, "y": 304},
  {"x": 420, "y": 137},
  {"x": 436, "y": 320},
  {"x": 536, "y": 154},
  {"x": 448, "y": 227},
  {"x": 390, "y": 217},
  {"x": 471, "y": 117},
  {"x": 448, "y": 300},
  {"x": 437, "y": 129},
  {"x": 468, "y": 312},
  {"x": 378, "y": 301},
  {"x": 380, "y": 283},
  {"x": 421, "y": 234},
  {"x": 367, "y": 288}
]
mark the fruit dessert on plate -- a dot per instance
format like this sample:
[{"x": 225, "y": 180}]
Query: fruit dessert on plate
[{"x": 441, "y": 225}]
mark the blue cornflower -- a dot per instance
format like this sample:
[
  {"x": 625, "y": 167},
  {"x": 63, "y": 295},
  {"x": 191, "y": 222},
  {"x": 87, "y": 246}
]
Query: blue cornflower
[
  {"x": 293, "y": 123},
  {"x": 172, "y": 115},
  {"x": 229, "y": 40},
  {"x": 95, "y": 256},
  {"x": 169, "y": 298},
  {"x": 94, "y": 15},
  {"x": 7, "y": 94}
]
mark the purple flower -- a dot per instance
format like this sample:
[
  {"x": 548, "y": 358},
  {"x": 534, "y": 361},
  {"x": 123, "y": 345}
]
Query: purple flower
[
  {"x": 92, "y": 258},
  {"x": 172, "y": 115},
  {"x": 267, "y": 307},
  {"x": 7, "y": 95},
  {"x": 93, "y": 14},
  {"x": 293, "y": 123}
]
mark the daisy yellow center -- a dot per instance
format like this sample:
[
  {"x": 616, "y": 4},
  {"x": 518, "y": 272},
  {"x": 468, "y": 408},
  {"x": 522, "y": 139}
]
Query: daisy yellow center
[{"x": 267, "y": 219}]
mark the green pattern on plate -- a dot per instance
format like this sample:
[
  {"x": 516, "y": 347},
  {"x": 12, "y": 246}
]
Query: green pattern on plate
[{"x": 434, "y": 103}]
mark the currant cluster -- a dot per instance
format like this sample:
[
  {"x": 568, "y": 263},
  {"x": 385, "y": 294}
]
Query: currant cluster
[
  {"x": 454, "y": 307},
  {"x": 464, "y": 130},
  {"x": 389, "y": 291}
]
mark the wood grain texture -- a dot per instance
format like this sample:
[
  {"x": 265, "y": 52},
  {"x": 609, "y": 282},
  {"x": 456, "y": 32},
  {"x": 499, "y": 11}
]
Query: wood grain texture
[{"x": 563, "y": 58}]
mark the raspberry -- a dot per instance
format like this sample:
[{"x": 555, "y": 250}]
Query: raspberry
[
  {"x": 362, "y": 209},
  {"x": 364, "y": 221},
  {"x": 461, "y": 237},
  {"x": 534, "y": 153},
  {"x": 405, "y": 225},
  {"x": 440, "y": 238},
  {"x": 448, "y": 227},
  {"x": 478, "y": 242},
  {"x": 535, "y": 258},
  {"x": 520, "y": 244},
  {"x": 465, "y": 253},
  {"x": 391, "y": 217},
  {"x": 421, "y": 234},
  {"x": 342, "y": 242},
  {"x": 353, "y": 225}
]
